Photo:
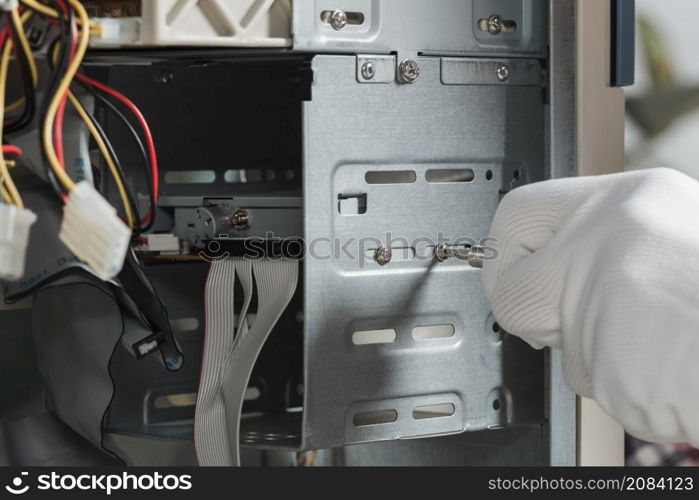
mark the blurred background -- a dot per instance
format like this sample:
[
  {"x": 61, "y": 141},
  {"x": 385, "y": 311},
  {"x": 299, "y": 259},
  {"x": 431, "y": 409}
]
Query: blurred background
[
  {"x": 663, "y": 106},
  {"x": 662, "y": 130}
]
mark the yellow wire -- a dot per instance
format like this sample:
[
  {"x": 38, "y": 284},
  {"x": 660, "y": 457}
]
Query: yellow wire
[
  {"x": 47, "y": 130},
  {"x": 25, "y": 44},
  {"x": 107, "y": 156},
  {"x": 95, "y": 28},
  {"x": 32, "y": 62},
  {"x": 11, "y": 189},
  {"x": 5, "y": 195},
  {"x": 103, "y": 150}
]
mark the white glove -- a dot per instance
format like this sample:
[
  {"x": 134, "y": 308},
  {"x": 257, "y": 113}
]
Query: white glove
[{"x": 607, "y": 268}]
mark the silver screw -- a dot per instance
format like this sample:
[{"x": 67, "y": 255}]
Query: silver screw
[
  {"x": 368, "y": 70},
  {"x": 442, "y": 252},
  {"x": 240, "y": 219},
  {"x": 409, "y": 70},
  {"x": 503, "y": 73},
  {"x": 495, "y": 25},
  {"x": 165, "y": 77},
  {"x": 383, "y": 255},
  {"x": 338, "y": 19}
]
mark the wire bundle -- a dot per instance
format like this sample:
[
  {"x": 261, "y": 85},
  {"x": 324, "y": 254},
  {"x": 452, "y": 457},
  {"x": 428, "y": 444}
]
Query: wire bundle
[{"x": 65, "y": 57}]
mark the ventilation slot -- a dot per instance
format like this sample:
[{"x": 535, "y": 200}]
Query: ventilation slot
[
  {"x": 390, "y": 177},
  {"x": 249, "y": 175},
  {"x": 369, "y": 337},
  {"x": 434, "y": 411},
  {"x": 433, "y": 332},
  {"x": 379, "y": 417},
  {"x": 449, "y": 175},
  {"x": 175, "y": 400},
  {"x": 184, "y": 324},
  {"x": 190, "y": 177}
]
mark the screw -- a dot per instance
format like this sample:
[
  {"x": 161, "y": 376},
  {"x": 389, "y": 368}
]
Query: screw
[
  {"x": 368, "y": 70},
  {"x": 442, "y": 252},
  {"x": 240, "y": 219},
  {"x": 338, "y": 19},
  {"x": 409, "y": 70},
  {"x": 383, "y": 255},
  {"x": 166, "y": 77},
  {"x": 495, "y": 25},
  {"x": 503, "y": 73}
]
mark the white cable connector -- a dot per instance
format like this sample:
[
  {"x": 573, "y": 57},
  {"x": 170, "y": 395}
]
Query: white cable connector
[
  {"x": 15, "y": 224},
  {"x": 9, "y": 5},
  {"x": 93, "y": 231}
]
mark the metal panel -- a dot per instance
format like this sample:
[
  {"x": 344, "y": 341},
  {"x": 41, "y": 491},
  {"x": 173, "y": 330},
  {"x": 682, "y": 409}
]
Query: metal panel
[
  {"x": 559, "y": 432},
  {"x": 434, "y": 27},
  {"x": 350, "y": 128},
  {"x": 460, "y": 71}
]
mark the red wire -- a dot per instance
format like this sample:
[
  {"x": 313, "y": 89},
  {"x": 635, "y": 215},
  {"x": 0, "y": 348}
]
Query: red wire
[
  {"x": 58, "y": 123},
  {"x": 3, "y": 36},
  {"x": 144, "y": 126},
  {"x": 9, "y": 149}
]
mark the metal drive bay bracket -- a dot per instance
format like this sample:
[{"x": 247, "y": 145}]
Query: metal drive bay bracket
[
  {"x": 398, "y": 344},
  {"x": 437, "y": 27}
]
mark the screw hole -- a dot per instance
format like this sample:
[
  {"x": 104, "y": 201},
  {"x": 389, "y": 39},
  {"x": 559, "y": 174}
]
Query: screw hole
[
  {"x": 496, "y": 405},
  {"x": 489, "y": 175},
  {"x": 515, "y": 174},
  {"x": 496, "y": 328}
]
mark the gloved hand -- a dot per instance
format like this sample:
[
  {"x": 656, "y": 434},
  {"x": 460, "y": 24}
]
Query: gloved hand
[{"x": 607, "y": 269}]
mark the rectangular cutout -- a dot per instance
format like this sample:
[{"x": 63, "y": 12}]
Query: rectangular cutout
[
  {"x": 433, "y": 411},
  {"x": 353, "y": 18},
  {"x": 352, "y": 205},
  {"x": 505, "y": 25},
  {"x": 190, "y": 176},
  {"x": 368, "y": 337},
  {"x": 379, "y": 417},
  {"x": 252, "y": 393},
  {"x": 449, "y": 175},
  {"x": 184, "y": 324},
  {"x": 433, "y": 332},
  {"x": 398, "y": 254},
  {"x": 175, "y": 400},
  {"x": 390, "y": 177},
  {"x": 246, "y": 175}
]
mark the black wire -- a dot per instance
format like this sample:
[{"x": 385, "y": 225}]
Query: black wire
[
  {"x": 29, "y": 109},
  {"x": 139, "y": 143},
  {"x": 129, "y": 194}
]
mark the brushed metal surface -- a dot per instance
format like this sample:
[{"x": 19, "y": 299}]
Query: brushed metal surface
[{"x": 351, "y": 129}]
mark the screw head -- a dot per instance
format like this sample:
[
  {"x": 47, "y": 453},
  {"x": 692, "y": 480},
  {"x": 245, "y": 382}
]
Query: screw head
[
  {"x": 383, "y": 255},
  {"x": 442, "y": 252},
  {"x": 368, "y": 70},
  {"x": 503, "y": 73},
  {"x": 240, "y": 219},
  {"x": 338, "y": 19},
  {"x": 409, "y": 70},
  {"x": 165, "y": 77},
  {"x": 495, "y": 25}
]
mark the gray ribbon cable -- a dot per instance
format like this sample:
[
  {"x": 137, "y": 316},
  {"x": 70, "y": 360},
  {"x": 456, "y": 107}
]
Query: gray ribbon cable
[
  {"x": 210, "y": 439},
  {"x": 229, "y": 359},
  {"x": 276, "y": 282},
  {"x": 244, "y": 270}
]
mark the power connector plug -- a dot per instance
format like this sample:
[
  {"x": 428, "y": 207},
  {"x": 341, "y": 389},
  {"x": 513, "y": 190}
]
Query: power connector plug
[
  {"x": 15, "y": 224},
  {"x": 93, "y": 231}
]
